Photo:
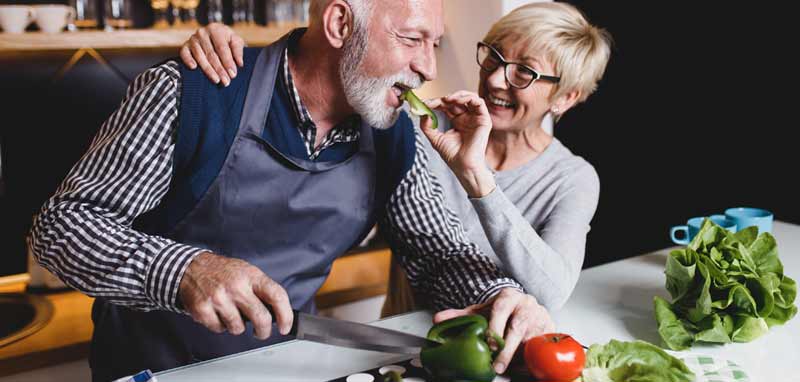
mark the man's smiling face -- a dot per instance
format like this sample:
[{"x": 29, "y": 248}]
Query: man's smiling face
[{"x": 399, "y": 48}]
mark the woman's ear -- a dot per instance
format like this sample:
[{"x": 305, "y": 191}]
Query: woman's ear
[
  {"x": 565, "y": 102},
  {"x": 337, "y": 21}
]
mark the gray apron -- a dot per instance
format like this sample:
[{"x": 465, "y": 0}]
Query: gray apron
[{"x": 289, "y": 217}]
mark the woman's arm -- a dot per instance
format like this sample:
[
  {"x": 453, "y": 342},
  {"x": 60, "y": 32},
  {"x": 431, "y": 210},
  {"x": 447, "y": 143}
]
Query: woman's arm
[{"x": 547, "y": 263}]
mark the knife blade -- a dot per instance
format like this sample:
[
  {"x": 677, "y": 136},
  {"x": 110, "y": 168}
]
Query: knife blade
[{"x": 355, "y": 335}]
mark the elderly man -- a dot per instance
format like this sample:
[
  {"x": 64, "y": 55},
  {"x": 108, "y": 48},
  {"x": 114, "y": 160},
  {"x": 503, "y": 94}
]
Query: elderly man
[{"x": 198, "y": 204}]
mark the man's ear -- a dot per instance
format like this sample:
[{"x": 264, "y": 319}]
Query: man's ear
[{"x": 337, "y": 21}]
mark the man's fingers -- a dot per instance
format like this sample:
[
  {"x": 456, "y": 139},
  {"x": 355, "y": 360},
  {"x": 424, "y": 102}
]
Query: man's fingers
[
  {"x": 228, "y": 313},
  {"x": 275, "y": 296},
  {"x": 211, "y": 55},
  {"x": 205, "y": 315},
  {"x": 186, "y": 56},
  {"x": 257, "y": 313},
  {"x": 200, "y": 56},
  {"x": 237, "y": 46},
  {"x": 223, "y": 51}
]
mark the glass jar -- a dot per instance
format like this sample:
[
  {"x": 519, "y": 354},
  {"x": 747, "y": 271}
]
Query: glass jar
[
  {"x": 86, "y": 15},
  {"x": 160, "y": 8},
  {"x": 244, "y": 12},
  {"x": 215, "y": 11},
  {"x": 118, "y": 14}
]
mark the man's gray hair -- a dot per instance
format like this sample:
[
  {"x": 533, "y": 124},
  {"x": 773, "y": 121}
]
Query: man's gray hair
[{"x": 361, "y": 11}]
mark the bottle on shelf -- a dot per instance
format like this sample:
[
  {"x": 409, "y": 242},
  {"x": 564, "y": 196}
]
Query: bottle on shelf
[
  {"x": 279, "y": 12},
  {"x": 215, "y": 11},
  {"x": 300, "y": 10},
  {"x": 190, "y": 13},
  {"x": 85, "y": 14},
  {"x": 160, "y": 8},
  {"x": 244, "y": 13},
  {"x": 177, "y": 15},
  {"x": 118, "y": 14}
]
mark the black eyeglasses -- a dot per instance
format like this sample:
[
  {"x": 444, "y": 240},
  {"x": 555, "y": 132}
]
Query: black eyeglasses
[{"x": 518, "y": 75}]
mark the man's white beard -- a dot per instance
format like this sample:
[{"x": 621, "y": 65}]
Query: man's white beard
[{"x": 367, "y": 95}]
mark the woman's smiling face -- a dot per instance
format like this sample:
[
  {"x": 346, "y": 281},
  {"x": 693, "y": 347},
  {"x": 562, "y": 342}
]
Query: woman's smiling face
[{"x": 514, "y": 109}]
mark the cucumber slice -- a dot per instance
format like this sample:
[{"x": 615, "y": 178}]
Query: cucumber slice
[{"x": 418, "y": 107}]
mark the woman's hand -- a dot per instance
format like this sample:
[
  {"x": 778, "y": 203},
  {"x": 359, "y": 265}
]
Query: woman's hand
[
  {"x": 214, "y": 48},
  {"x": 514, "y": 315},
  {"x": 464, "y": 146}
]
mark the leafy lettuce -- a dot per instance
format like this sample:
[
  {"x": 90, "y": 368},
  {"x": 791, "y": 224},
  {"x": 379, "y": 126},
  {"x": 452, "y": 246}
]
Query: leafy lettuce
[
  {"x": 636, "y": 361},
  {"x": 725, "y": 287}
]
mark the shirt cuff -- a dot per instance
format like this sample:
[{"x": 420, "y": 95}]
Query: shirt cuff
[
  {"x": 165, "y": 273},
  {"x": 490, "y": 201},
  {"x": 496, "y": 287}
]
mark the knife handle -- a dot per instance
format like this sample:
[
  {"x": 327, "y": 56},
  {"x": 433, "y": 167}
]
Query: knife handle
[{"x": 295, "y": 314}]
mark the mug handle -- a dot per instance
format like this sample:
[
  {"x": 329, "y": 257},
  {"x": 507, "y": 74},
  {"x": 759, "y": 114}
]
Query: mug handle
[{"x": 675, "y": 229}]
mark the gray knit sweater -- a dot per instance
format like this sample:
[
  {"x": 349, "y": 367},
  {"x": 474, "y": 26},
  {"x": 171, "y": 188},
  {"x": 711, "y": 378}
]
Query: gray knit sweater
[{"x": 534, "y": 224}]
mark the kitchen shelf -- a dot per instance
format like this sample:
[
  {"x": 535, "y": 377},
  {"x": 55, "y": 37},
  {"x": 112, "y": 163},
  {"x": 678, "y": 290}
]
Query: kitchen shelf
[{"x": 128, "y": 39}]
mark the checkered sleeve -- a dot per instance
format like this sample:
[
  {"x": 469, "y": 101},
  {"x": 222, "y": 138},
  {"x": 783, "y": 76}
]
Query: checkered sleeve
[
  {"x": 432, "y": 246},
  {"x": 83, "y": 233}
]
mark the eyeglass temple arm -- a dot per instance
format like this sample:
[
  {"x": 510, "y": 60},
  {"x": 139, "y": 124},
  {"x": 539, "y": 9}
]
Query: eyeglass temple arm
[{"x": 550, "y": 78}]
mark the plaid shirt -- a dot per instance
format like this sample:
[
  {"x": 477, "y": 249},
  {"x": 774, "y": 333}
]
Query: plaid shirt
[{"x": 347, "y": 131}]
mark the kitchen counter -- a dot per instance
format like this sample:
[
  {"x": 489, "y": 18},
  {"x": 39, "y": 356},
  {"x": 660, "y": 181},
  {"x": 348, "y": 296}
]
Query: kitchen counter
[
  {"x": 612, "y": 301},
  {"x": 615, "y": 300},
  {"x": 361, "y": 273}
]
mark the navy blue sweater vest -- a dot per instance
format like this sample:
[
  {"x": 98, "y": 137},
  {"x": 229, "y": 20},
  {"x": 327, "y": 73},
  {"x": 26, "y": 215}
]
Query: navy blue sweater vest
[{"x": 208, "y": 122}]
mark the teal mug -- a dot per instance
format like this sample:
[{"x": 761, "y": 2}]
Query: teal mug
[
  {"x": 745, "y": 217},
  {"x": 693, "y": 225}
]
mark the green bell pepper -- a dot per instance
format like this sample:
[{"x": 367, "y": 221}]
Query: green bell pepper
[
  {"x": 463, "y": 353},
  {"x": 418, "y": 107}
]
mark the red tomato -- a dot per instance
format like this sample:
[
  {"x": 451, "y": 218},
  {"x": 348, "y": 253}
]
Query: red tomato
[{"x": 554, "y": 356}]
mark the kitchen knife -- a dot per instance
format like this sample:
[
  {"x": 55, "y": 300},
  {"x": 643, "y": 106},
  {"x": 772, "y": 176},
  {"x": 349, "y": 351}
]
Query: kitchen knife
[{"x": 355, "y": 335}]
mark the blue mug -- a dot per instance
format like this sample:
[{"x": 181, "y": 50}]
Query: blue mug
[
  {"x": 693, "y": 225},
  {"x": 747, "y": 217}
]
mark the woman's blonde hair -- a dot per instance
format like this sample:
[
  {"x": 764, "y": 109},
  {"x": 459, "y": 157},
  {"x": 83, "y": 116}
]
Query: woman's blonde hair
[{"x": 578, "y": 50}]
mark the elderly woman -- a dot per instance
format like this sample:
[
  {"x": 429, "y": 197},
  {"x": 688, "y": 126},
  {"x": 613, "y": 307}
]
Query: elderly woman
[{"x": 523, "y": 196}]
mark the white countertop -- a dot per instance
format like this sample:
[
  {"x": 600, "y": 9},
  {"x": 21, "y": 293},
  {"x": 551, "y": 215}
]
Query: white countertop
[
  {"x": 298, "y": 360},
  {"x": 615, "y": 300},
  {"x": 611, "y": 301}
]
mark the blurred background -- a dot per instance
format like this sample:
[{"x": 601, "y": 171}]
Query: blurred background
[{"x": 695, "y": 113}]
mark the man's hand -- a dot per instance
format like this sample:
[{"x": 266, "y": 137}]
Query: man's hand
[
  {"x": 464, "y": 146},
  {"x": 217, "y": 290},
  {"x": 515, "y": 315},
  {"x": 214, "y": 47}
]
